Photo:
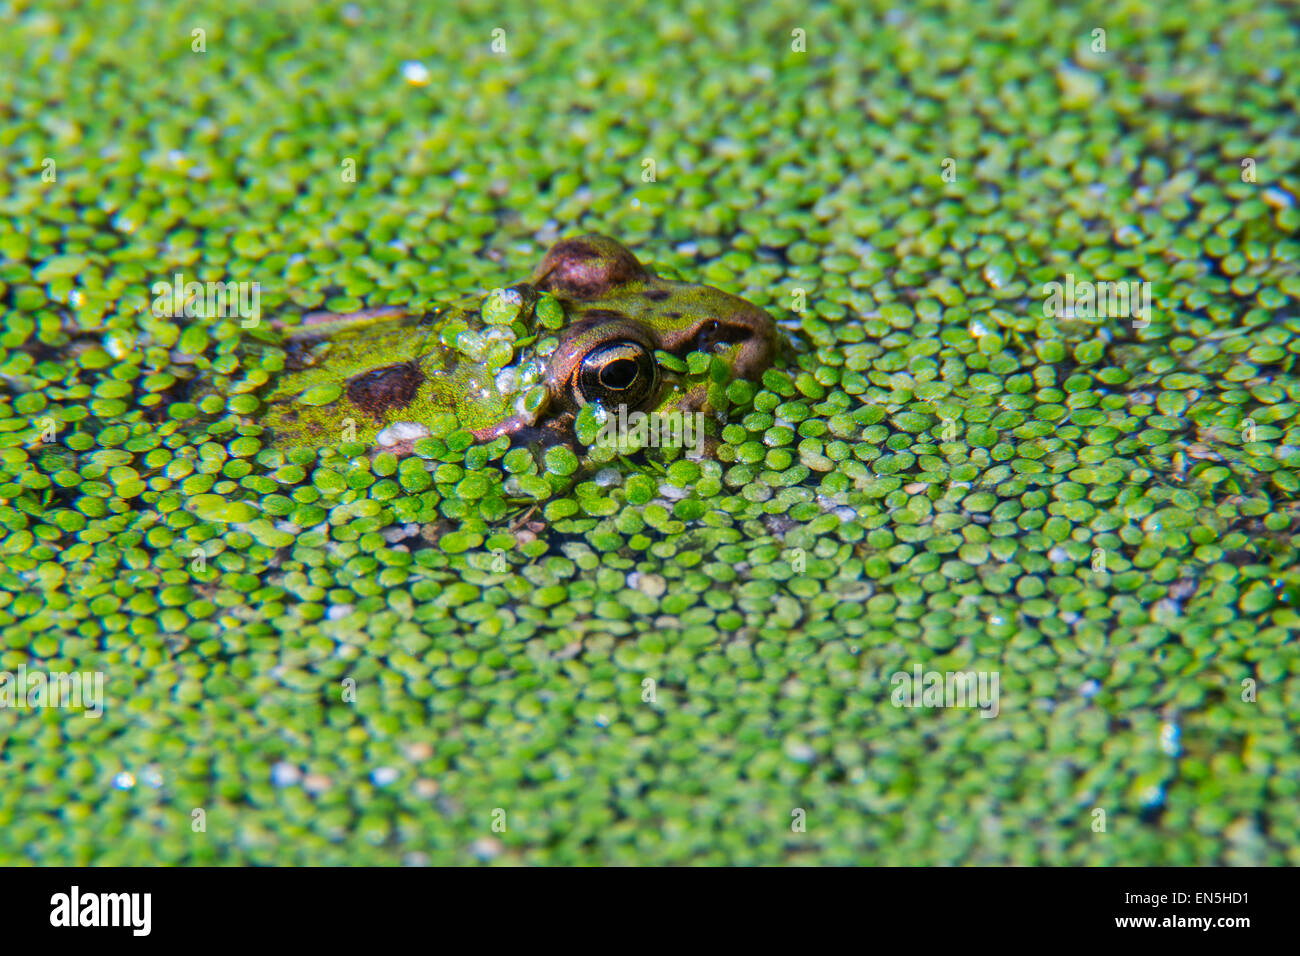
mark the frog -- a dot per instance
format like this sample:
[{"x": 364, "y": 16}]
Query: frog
[{"x": 592, "y": 324}]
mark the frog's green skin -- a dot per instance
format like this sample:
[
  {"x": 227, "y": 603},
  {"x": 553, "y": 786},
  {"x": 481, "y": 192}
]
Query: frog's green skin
[{"x": 512, "y": 363}]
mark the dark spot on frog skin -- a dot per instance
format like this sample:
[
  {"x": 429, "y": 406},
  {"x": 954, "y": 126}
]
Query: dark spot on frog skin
[
  {"x": 385, "y": 388},
  {"x": 655, "y": 295}
]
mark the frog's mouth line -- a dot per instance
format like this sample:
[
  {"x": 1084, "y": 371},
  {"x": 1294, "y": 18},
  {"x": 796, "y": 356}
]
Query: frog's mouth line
[{"x": 559, "y": 430}]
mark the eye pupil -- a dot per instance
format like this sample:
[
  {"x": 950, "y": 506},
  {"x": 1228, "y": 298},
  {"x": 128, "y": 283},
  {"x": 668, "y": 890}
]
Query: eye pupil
[{"x": 619, "y": 374}]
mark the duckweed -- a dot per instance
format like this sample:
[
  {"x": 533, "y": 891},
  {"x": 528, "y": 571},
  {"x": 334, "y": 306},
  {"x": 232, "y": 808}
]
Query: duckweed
[{"x": 643, "y": 656}]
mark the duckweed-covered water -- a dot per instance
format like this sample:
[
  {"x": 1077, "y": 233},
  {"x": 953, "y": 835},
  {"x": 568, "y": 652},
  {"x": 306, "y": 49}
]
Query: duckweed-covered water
[{"x": 339, "y": 658}]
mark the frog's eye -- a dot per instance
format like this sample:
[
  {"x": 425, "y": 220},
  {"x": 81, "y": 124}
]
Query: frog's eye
[{"x": 619, "y": 373}]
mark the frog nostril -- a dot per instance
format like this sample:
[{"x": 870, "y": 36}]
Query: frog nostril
[{"x": 714, "y": 334}]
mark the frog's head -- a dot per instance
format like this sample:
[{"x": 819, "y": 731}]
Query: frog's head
[
  {"x": 618, "y": 313},
  {"x": 591, "y": 325}
]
